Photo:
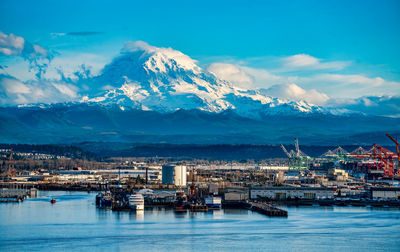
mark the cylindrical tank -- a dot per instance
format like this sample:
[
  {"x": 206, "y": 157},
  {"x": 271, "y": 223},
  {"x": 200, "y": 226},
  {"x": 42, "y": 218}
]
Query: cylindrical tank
[{"x": 173, "y": 174}]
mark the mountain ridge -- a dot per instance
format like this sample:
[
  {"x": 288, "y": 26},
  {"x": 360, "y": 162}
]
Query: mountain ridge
[
  {"x": 93, "y": 122},
  {"x": 161, "y": 95}
]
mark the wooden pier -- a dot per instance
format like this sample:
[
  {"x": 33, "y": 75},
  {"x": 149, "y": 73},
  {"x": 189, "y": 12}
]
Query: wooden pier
[{"x": 268, "y": 209}]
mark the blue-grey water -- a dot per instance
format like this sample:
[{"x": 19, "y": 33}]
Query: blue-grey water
[{"x": 74, "y": 223}]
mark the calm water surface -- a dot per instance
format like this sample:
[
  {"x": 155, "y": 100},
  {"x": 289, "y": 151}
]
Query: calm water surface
[{"x": 74, "y": 223}]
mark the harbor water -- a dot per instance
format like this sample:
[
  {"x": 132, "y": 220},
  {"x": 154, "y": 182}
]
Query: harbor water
[{"x": 74, "y": 223}]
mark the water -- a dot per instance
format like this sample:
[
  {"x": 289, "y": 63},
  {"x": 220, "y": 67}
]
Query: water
[{"x": 74, "y": 223}]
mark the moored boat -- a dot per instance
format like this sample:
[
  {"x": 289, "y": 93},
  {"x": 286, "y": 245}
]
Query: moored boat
[
  {"x": 213, "y": 202},
  {"x": 136, "y": 202}
]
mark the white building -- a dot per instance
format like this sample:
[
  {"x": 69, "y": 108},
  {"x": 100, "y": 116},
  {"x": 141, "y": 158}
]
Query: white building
[
  {"x": 282, "y": 193},
  {"x": 385, "y": 193},
  {"x": 173, "y": 174}
]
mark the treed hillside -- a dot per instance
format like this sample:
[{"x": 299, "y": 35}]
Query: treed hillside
[
  {"x": 59, "y": 150},
  {"x": 98, "y": 151},
  {"x": 212, "y": 152}
]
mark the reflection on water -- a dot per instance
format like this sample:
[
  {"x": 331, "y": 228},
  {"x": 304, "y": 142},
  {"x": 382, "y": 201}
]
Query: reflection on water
[
  {"x": 74, "y": 223},
  {"x": 139, "y": 215},
  {"x": 235, "y": 211}
]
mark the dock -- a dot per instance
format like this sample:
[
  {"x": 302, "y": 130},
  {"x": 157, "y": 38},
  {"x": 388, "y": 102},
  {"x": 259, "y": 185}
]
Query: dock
[
  {"x": 198, "y": 208},
  {"x": 16, "y": 194},
  {"x": 267, "y": 209}
]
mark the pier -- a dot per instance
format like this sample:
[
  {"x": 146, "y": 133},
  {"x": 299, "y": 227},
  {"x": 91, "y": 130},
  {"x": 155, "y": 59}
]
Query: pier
[
  {"x": 16, "y": 194},
  {"x": 267, "y": 209}
]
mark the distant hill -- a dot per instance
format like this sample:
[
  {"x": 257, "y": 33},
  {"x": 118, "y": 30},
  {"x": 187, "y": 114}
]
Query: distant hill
[
  {"x": 72, "y": 123},
  {"x": 58, "y": 150},
  {"x": 211, "y": 152}
]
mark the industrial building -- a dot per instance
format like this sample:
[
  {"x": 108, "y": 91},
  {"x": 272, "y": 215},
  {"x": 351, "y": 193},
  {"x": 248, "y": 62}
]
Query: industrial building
[
  {"x": 173, "y": 174},
  {"x": 236, "y": 195},
  {"x": 283, "y": 193},
  {"x": 385, "y": 193},
  {"x": 337, "y": 174}
]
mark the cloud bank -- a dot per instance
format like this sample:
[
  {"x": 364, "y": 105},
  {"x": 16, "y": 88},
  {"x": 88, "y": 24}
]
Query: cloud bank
[
  {"x": 293, "y": 92},
  {"x": 37, "y": 56},
  {"x": 307, "y": 62},
  {"x": 15, "y": 92}
]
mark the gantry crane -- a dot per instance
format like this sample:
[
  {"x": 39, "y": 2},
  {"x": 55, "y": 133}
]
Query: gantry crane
[
  {"x": 383, "y": 159},
  {"x": 298, "y": 160},
  {"x": 397, "y": 146},
  {"x": 339, "y": 154}
]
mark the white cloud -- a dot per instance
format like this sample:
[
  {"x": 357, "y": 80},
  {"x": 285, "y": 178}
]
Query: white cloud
[
  {"x": 70, "y": 64},
  {"x": 333, "y": 85},
  {"x": 246, "y": 77},
  {"x": 350, "y": 86},
  {"x": 232, "y": 73},
  {"x": 279, "y": 86},
  {"x": 300, "y": 62},
  {"x": 350, "y": 79},
  {"x": 14, "y": 92},
  {"x": 372, "y": 105},
  {"x": 11, "y": 44},
  {"x": 13, "y": 86},
  {"x": 15, "y": 45},
  {"x": 133, "y": 46},
  {"x": 37, "y": 56},
  {"x": 293, "y": 92}
]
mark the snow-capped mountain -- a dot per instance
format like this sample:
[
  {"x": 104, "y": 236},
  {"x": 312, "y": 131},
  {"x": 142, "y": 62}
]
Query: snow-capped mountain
[
  {"x": 161, "y": 95},
  {"x": 165, "y": 80}
]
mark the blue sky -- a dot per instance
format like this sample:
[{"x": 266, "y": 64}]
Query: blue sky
[{"x": 319, "y": 45}]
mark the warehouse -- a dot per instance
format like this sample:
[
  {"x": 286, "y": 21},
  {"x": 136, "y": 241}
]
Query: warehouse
[
  {"x": 385, "y": 192},
  {"x": 283, "y": 193}
]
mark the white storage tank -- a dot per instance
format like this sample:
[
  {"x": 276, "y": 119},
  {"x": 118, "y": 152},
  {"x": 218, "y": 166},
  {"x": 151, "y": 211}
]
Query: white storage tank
[{"x": 173, "y": 174}]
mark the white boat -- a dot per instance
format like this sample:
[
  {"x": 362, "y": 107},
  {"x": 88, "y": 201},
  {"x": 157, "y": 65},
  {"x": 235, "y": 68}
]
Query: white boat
[
  {"x": 213, "y": 202},
  {"x": 136, "y": 202}
]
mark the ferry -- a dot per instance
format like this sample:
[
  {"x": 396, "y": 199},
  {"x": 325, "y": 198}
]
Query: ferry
[
  {"x": 136, "y": 202},
  {"x": 213, "y": 202}
]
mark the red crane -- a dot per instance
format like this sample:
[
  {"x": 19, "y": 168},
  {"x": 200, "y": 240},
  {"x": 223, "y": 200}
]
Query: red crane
[
  {"x": 385, "y": 159},
  {"x": 397, "y": 146}
]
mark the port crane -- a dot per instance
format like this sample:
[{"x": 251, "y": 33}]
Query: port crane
[
  {"x": 337, "y": 154},
  {"x": 298, "y": 160},
  {"x": 397, "y": 146},
  {"x": 383, "y": 158}
]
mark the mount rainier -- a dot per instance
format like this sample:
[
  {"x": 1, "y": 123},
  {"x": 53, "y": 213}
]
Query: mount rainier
[
  {"x": 165, "y": 80},
  {"x": 151, "y": 94}
]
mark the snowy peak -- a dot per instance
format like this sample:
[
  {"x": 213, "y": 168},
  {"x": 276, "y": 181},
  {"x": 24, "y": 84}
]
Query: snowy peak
[
  {"x": 163, "y": 79},
  {"x": 162, "y": 60}
]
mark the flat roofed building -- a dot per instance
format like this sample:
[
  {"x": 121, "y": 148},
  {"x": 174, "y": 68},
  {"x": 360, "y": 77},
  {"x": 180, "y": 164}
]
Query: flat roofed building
[
  {"x": 283, "y": 193},
  {"x": 236, "y": 195},
  {"x": 386, "y": 193}
]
